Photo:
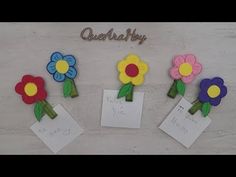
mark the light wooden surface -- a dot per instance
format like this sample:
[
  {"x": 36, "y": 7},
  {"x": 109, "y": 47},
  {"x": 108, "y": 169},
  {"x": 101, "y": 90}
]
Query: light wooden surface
[{"x": 25, "y": 48}]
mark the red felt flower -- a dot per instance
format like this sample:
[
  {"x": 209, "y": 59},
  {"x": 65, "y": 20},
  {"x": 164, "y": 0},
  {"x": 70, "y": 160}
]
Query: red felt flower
[{"x": 31, "y": 89}]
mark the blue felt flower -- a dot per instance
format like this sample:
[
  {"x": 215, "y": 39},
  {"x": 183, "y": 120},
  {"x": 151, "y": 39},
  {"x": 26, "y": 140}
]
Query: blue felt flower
[
  {"x": 212, "y": 91},
  {"x": 62, "y": 66}
]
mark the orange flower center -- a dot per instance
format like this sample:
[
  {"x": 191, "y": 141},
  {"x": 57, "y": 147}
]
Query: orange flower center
[
  {"x": 131, "y": 70},
  {"x": 30, "y": 89}
]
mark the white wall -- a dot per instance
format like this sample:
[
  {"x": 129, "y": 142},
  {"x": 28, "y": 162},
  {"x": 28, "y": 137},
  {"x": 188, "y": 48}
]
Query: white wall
[{"x": 25, "y": 48}]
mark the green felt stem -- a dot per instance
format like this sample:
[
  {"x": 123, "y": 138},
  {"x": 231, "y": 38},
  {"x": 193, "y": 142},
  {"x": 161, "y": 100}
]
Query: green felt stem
[
  {"x": 74, "y": 92},
  {"x": 173, "y": 90},
  {"x": 197, "y": 105},
  {"x": 129, "y": 97},
  {"x": 48, "y": 109}
]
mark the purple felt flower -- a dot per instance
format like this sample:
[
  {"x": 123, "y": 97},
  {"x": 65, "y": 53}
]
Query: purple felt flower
[{"x": 212, "y": 91}]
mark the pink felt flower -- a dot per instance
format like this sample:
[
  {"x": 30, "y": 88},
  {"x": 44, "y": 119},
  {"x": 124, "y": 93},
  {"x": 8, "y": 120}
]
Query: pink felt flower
[{"x": 185, "y": 67}]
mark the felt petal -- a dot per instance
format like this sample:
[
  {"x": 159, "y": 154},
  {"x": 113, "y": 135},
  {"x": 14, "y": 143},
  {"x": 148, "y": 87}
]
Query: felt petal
[
  {"x": 41, "y": 95},
  {"x": 124, "y": 78},
  {"x": 39, "y": 81},
  {"x": 27, "y": 78},
  {"x": 131, "y": 58},
  {"x": 215, "y": 101},
  {"x": 203, "y": 97},
  {"x": 70, "y": 59},
  {"x": 51, "y": 67},
  {"x": 223, "y": 91},
  {"x": 138, "y": 80},
  {"x": 174, "y": 73},
  {"x": 19, "y": 88},
  {"x": 28, "y": 99},
  {"x": 143, "y": 68},
  {"x": 191, "y": 59},
  {"x": 122, "y": 65},
  {"x": 71, "y": 73},
  {"x": 197, "y": 68},
  {"x": 205, "y": 84},
  {"x": 178, "y": 60},
  {"x": 59, "y": 77},
  {"x": 188, "y": 79},
  {"x": 217, "y": 80},
  {"x": 56, "y": 56}
]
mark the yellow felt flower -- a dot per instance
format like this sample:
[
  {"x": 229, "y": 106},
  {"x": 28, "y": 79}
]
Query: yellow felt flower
[{"x": 132, "y": 69}]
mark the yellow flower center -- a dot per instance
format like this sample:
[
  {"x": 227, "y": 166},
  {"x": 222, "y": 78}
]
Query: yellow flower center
[
  {"x": 62, "y": 66},
  {"x": 30, "y": 89},
  {"x": 213, "y": 91},
  {"x": 185, "y": 69}
]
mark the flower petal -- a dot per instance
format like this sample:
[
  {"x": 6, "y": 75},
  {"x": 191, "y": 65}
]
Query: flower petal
[
  {"x": 27, "y": 78},
  {"x": 122, "y": 65},
  {"x": 178, "y": 60},
  {"x": 215, "y": 101},
  {"x": 223, "y": 91},
  {"x": 70, "y": 59},
  {"x": 56, "y": 56},
  {"x": 41, "y": 95},
  {"x": 39, "y": 81},
  {"x": 51, "y": 67},
  {"x": 188, "y": 79},
  {"x": 19, "y": 88},
  {"x": 138, "y": 80},
  {"x": 28, "y": 99},
  {"x": 197, "y": 68},
  {"x": 205, "y": 84},
  {"x": 59, "y": 77},
  {"x": 203, "y": 96},
  {"x": 191, "y": 59},
  {"x": 217, "y": 80},
  {"x": 174, "y": 73},
  {"x": 71, "y": 73},
  {"x": 124, "y": 78},
  {"x": 131, "y": 58},
  {"x": 143, "y": 68}
]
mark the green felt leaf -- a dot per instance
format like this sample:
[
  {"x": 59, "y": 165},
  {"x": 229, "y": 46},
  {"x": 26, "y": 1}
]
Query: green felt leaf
[
  {"x": 180, "y": 87},
  {"x": 38, "y": 111},
  {"x": 125, "y": 90},
  {"x": 206, "y": 107},
  {"x": 67, "y": 87}
]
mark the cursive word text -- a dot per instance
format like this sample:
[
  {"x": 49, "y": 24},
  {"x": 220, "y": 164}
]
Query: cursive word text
[{"x": 88, "y": 35}]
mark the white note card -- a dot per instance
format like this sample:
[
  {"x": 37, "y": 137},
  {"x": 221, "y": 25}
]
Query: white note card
[
  {"x": 183, "y": 126},
  {"x": 120, "y": 113},
  {"x": 58, "y": 132}
]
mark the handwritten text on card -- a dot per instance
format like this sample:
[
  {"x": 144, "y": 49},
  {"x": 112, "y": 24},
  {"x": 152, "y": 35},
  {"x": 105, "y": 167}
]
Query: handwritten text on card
[
  {"x": 182, "y": 126},
  {"x": 120, "y": 113},
  {"x": 57, "y": 133}
]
